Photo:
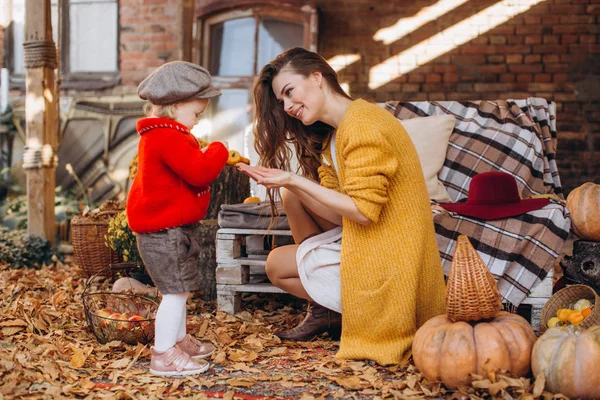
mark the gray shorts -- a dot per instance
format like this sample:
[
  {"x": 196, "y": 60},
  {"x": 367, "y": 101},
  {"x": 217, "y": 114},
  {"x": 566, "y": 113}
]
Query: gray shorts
[{"x": 171, "y": 258}]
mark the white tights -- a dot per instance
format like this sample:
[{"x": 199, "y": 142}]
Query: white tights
[{"x": 170, "y": 321}]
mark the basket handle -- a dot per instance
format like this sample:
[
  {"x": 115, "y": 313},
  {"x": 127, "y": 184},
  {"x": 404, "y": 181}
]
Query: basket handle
[{"x": 111, "y": 267}]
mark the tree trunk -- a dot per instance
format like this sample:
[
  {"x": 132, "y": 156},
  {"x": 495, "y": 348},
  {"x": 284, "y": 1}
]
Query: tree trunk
[
  {"x": 207, "y": 261},
  {"x": 231, "y": 187}
]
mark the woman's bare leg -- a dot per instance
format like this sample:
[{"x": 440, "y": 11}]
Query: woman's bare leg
[{"x": 281, "y": 267}]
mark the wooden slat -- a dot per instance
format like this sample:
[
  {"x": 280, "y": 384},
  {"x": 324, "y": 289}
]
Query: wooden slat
[
  {"x": 250, "y": 287},
  {"x": 232, "y": 274}
]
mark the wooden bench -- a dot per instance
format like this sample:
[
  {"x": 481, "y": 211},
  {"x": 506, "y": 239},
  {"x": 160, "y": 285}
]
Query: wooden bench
[{"x": 241, "y": 258}]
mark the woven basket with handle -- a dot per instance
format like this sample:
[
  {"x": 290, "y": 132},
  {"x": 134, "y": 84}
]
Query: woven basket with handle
[
  {"x": 565, "y": 297},
  {"x": 471, "y": 292},
  {"x": 90, "y": 251}
]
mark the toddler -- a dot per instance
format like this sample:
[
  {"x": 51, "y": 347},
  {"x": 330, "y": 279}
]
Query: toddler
[{"x": 168, "y": 198}]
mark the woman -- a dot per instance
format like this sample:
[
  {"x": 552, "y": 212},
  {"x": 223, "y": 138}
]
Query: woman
[{"x": 367, "y": 245}]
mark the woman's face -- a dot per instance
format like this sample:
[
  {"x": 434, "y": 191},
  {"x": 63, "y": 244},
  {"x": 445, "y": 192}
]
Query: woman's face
[
  {"x": 301, "y": 97},
  {"x": 188, "y": 112}
]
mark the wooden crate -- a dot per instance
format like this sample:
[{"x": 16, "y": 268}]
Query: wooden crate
[
  {"x": 537, "y": 299},
  {"x": 241, "y": 258}
]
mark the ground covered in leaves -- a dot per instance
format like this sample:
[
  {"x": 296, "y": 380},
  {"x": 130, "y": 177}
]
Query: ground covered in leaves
[{"x": 47, "y": 351}]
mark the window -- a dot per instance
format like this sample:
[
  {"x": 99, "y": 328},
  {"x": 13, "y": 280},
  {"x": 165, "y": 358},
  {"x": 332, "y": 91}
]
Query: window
[
  {"x": 234, "y": 45},
  {"x": 88, "y": 43}
]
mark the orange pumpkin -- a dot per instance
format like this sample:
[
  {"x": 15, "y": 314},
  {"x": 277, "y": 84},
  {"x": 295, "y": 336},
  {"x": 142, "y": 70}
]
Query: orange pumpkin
[
  {"x": 570, "y": 358},
  {"x": 450, "y": 351},
  {"x": 583, "y": 204}
]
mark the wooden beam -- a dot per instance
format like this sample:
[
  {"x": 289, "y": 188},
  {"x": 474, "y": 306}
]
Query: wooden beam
[{"x": 41, "y": 126}]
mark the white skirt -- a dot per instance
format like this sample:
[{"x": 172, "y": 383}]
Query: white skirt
[{"x": 318, "y": 260}]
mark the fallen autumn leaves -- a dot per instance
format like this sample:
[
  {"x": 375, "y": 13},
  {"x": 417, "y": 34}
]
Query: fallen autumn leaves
[{"x": 47, "y": 351}]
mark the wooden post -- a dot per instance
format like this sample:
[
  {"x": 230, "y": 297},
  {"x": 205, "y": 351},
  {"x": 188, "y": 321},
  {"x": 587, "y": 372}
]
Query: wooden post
[{"x": 41, "y": 113}]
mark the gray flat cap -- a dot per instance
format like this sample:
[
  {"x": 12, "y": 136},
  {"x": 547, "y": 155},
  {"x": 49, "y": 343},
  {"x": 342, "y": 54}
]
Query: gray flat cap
[{"x": 177, "y": 81}]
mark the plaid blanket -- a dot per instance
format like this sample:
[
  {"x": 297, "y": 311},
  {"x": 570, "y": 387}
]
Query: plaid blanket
[{"x": 513, "y": 136}]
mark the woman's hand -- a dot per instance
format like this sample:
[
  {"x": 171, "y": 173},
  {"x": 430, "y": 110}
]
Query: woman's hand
[{"x": 271, "y": 178}]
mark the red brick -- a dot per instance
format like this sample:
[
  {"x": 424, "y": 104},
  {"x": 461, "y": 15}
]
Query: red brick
[
  {"x": 441, "y": 69},
  {"x": 410, "y": 87},
  {"x": 433, "y": 78},
  {"x": 416, "y": 78},
  {"x": 560, "y": 78},
  {"x": 550, "y": 48},
  {"x": 476, "y": 49},
  {"x": 518, "y": 49},
  {"x": 498, "y": 40},
  {"x": 533, "y": 20},
  {"x": 542, "y": 87},
  {"x": 587, "y": 39},
  {"x": 468, "y": 59},
  {"x": 494, "y": 69},
  {"x": 542, "y": 78},
  {"x": 505, "y": 78},
  {"x": 450, "y": 77},
  {"x": 564, "y": 97},
  {"x": 492, "y": 87},
  {"x": 568, "y": 39},
  {"x": 530, "y": 30},
  {"x": 526, "y": 68},
  {"x": 516, "y": 39},
  {"x": 533, "y": 39},
  {"x": 576, "y": 19},
  {"x": 524, "y": 78},
  {"x": 570, "y": 9},
  {"x": 549, "y": 39},
  {"x": 584, "y": 48},
  {"x": 550, "y": 19},
  {"x": 573, "y": 28},
  {"x": 550, "y": 58},
  {"x": 495, "y": 59},
  {"x": 514, "y": 59},
  {"x": 532, "y": 58}
]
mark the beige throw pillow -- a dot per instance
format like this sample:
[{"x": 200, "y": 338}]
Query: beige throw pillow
[{"x": 430, "y": 136}]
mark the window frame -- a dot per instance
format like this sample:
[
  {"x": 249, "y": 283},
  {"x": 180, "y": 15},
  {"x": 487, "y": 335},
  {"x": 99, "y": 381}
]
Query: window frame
[
  {"x": 68, "y": 79},
  {"x": 205, "y": 18}
]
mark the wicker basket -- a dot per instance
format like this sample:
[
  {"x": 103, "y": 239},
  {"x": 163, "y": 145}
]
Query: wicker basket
[
  {"x": 90, "y": 251},
  {"x": 109, "y": 328},
  {"x": 471, "y": 292},
  {"x": 567, "y": 296}
]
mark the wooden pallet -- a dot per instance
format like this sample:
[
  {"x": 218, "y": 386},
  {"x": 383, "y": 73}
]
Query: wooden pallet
[{"x": 241, "y": 258}]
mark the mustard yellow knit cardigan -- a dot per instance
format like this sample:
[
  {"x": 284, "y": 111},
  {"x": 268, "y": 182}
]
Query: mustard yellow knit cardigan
[{"x": 391, "y": 275}]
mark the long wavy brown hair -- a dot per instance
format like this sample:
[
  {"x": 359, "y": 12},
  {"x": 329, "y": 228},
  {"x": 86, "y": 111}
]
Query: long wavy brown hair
[{"x": 274, "y": 128}]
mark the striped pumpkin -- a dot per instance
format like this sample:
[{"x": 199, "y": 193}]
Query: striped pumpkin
[{"x": 583, "y": 204}]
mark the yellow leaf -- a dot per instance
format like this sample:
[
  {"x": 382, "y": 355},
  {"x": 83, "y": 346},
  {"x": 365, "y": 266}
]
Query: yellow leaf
[
  {"x": 122, "y": 363},
  {"x": 350, "y": 383},
  {"x": 59, "y": 297},
  {"x": 240, "y": 355},
  {"x": 220, "y": 358},
  {"x": 78, "y": 358},
  {"x": 11, "y": 330},
  {"x": 14, "y": 322},
  {"x": 240, "y": 382}
]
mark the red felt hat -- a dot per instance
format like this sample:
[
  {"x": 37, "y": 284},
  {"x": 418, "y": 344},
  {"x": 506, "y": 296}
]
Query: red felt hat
[{"x": 494, "y": 195}]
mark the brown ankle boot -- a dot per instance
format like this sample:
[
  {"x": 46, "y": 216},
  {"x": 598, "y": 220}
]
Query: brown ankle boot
[{"x": 318, "y": 320}]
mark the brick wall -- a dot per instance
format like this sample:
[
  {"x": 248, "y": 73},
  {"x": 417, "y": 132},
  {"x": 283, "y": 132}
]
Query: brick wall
[
  {"x": 149, "y": 36},
  {"x": 551, "y": 50}
]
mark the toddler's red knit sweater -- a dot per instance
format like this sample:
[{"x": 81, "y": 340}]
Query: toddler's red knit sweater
[{"x": 170, "y": 188}]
